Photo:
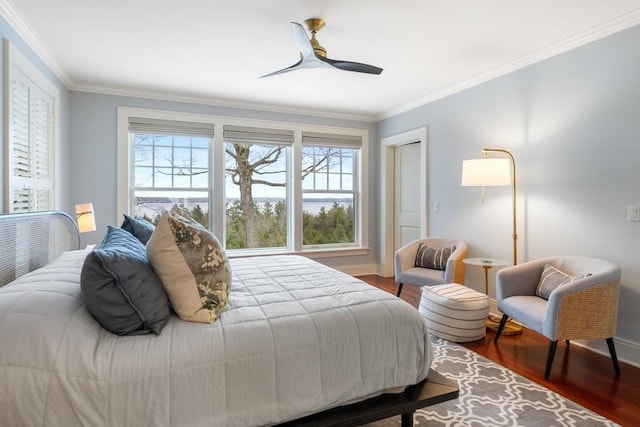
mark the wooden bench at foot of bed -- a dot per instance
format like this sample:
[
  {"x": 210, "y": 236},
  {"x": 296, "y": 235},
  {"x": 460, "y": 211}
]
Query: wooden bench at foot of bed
[{"x": 430, "y": 391}]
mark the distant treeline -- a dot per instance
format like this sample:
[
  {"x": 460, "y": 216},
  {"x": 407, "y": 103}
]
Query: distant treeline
[{"x": 325, "y": 227}]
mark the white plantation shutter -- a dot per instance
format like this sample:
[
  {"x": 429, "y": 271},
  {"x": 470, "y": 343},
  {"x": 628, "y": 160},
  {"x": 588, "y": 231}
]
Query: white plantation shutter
[
  {"x": 20, "y": 128},
  {"x": 31, "y": 139}
]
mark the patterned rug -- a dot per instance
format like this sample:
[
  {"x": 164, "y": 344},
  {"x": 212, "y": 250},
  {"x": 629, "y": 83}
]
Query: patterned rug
[{"x": 491, "y": 395}]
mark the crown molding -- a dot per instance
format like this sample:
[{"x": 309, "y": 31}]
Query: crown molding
[
  {"x": 598, "y": 32},
  {"x": 226, "y": 103},
  {"x": 9, "y": 13}
]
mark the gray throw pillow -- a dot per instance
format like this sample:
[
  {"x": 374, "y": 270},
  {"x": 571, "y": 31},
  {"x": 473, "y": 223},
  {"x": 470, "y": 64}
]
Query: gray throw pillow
[
  {"x": 139, "y": 227},
  {"x": 435, "y": 259},
  {"x": 120, "y": 289},
  {"x": 551, "y": 279}
]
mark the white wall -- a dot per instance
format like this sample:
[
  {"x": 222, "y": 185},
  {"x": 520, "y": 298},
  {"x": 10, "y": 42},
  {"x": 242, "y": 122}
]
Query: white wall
[{"x": 573, "y": 124}]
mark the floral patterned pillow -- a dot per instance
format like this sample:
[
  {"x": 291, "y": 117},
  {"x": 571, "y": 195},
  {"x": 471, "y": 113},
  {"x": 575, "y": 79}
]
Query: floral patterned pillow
[{"x": 192, "y": 266}]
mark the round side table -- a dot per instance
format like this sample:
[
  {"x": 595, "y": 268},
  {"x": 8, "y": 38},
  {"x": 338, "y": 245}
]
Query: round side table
[
  {"x": 486, "y": 264},
  {"x": 493, "y": 323}
]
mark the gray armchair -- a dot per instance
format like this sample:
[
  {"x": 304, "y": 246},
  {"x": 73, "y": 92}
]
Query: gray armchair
[
  {"x": 586, "y": 308},
  {"x": 407, "y": 272}
]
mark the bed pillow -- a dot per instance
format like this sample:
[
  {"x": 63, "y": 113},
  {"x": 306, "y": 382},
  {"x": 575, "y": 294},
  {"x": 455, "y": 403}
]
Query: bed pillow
[
  {"x": 120, "y": 289},
  {"x": 551, "y": 279},
  {"x": 139, "y": 227},
  {"x": 192, "y": 266},
  {"x": 435, "y": 259}
]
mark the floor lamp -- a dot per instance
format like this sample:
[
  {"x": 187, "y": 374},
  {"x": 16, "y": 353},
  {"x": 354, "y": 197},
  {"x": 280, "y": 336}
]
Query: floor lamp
[{"x": 488, "y": 172}]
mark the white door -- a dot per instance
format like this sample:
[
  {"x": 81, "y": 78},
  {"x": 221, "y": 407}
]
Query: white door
[{"x": 407, "y": 194}]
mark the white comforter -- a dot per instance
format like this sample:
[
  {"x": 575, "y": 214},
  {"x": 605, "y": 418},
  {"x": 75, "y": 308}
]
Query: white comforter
[{"x": 297, "y": 337}]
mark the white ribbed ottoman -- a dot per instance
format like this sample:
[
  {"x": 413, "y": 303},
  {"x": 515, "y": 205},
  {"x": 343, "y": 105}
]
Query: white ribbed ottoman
[{"x": 455, "y": 312}]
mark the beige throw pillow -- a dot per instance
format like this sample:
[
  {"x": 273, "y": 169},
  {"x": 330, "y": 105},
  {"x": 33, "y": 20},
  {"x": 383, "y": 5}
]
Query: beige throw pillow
[{"x": 191, "y": 265}]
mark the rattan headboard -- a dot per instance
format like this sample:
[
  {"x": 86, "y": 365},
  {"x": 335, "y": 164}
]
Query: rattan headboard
[{"x": 31, "y": 240}]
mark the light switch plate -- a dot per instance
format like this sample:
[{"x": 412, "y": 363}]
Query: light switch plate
[{"x": 633, "y": 213}]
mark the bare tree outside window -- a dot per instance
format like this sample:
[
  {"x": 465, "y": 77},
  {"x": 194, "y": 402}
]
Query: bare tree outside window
[
  {"x": 174, "y": 169},
  {"x": 171, "y": 170},
  {"x": 257, "y": 218},
  {"x": 256, "y": 195}
]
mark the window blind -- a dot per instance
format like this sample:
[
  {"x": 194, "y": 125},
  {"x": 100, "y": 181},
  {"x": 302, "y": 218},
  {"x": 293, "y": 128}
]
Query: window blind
[
  {"x": 240, "y": 134},
  {"x": 331, "y": 140},
  {"x": 170, "y": 127}
]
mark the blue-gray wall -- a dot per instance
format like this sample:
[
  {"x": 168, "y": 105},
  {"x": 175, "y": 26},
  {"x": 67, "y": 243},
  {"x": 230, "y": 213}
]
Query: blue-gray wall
[{"x": 573, "y": 124}]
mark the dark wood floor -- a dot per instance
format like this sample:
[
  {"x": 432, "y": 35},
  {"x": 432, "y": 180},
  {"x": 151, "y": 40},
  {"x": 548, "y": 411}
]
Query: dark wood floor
[{"x": 582, "y": 376}]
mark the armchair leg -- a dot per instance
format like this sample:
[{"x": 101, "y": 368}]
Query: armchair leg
[
  {"x": 399, "y": 289},
  {"x": 503, "y": 322},
  {"x": 550, "y": 355},
  {"x": 614, "y": 357}
]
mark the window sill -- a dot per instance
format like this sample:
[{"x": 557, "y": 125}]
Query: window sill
[
  {"x": 310, "y": 252},
  {"x": 334, "y": 252}
]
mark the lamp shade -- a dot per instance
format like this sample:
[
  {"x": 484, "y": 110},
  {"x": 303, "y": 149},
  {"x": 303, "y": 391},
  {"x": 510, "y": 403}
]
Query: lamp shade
[
  {"x": 486, "y": 172},
  {"x": 85, "y": 218}
]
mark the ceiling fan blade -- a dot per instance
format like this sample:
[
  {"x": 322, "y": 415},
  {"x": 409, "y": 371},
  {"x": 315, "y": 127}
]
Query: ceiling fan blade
[
  {"x": 301, "y": 40},
  {"x": 352, "y": 66},
  {"x": 284, "y": 70},
  {"x": 310, "y": 59}
]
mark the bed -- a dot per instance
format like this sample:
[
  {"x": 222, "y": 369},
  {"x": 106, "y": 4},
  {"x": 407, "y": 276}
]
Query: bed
[{"x": 298, "y": 343}]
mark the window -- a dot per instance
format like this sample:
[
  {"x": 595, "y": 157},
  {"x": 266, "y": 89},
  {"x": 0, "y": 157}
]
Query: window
[
  {"x": 329, "y": 188},
  {"x": 256, "y": 187},
  {"x": 259, "y": 186},
  {"x": 32, "y": 130},
  {"x": 171, "y": 166}
]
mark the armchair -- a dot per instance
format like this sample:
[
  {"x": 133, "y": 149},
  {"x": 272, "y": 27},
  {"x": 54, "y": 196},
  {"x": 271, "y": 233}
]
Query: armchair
[
  {"x": 585, "y": 308},
  {"x": 407, "y": 272}
]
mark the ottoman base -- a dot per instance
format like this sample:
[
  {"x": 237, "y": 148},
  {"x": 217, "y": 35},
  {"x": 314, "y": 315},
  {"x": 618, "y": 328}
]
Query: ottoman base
[{"x": 454, "y": 312}]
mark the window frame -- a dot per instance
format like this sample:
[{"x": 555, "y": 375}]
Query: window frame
[
  {"x": 217, "y": 214},
  {"x": 153, "y": 168},
  {"x": 288, "y": 201},
  {"x": 355, "y": 175},
  {"x": 18, "y": 66}
]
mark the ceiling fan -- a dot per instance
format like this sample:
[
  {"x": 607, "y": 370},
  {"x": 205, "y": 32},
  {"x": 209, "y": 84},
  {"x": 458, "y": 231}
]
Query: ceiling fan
[{"x": 312, "y": 55}]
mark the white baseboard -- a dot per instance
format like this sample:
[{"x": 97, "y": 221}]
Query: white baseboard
[{"x": 627, "y": 351}]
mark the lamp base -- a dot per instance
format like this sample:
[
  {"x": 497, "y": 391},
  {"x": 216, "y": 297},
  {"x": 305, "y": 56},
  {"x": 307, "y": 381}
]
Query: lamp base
[{"x": 510, "y": 328}]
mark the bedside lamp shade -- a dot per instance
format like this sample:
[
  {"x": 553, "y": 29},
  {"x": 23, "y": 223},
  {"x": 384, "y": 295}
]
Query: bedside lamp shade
[
  {"x": 486, "y": 172},
  {"x": 85, "y": 218}
]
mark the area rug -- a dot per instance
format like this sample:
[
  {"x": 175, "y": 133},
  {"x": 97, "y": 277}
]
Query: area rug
[{"x": 491, "y": 395}]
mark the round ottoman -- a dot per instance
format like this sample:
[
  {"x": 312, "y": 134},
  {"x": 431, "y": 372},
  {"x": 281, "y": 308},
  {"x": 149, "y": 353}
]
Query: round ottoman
[{"x": 454, "y": 312}]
